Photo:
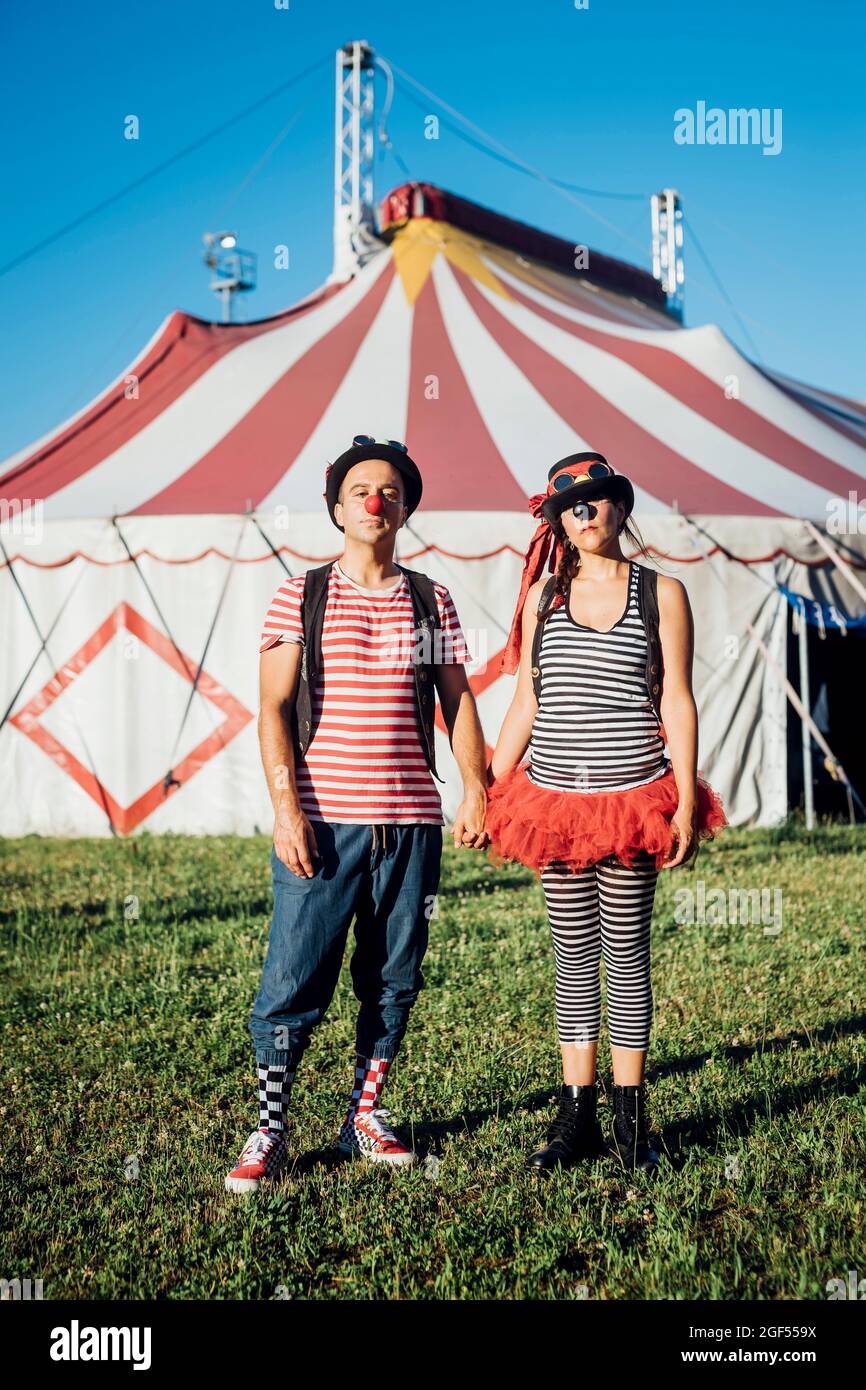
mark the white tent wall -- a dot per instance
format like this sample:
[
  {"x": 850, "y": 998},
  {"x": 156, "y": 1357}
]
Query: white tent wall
[{"x": 98, "y": 753}]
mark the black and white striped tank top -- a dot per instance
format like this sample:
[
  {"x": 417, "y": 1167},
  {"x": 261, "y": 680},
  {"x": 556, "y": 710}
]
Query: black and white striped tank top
[{"x": 596, "y": 728}]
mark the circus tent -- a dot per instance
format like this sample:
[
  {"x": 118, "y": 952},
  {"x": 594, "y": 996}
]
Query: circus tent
[{"x": 145, "y": 536}]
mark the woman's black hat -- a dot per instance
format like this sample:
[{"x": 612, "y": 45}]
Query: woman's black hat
[{"x": 589, "y": 482}]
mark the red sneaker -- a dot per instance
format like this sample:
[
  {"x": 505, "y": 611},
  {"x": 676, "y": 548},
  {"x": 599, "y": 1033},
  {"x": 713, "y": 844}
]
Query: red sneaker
[
  {"x": 367, "y": 1136},
  {"x": 264, "y": 1154}
]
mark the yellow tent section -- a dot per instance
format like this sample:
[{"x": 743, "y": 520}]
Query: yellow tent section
[{"x": 416, "y": 245}]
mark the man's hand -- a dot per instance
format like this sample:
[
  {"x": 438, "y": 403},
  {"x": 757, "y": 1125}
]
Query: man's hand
[
  {"x": 468, "y": 828},
  {"x": 683, "y": 824},
  {"x": 295, "y": 843}
]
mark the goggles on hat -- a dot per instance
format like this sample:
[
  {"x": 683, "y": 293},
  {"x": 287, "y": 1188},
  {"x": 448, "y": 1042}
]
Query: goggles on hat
[
  {"x": 368, "y": 439},
  {"x": 595, "y": 470}
]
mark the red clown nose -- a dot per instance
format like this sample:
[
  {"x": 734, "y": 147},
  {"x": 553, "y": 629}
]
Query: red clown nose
[{"x": 373, "y": 503}]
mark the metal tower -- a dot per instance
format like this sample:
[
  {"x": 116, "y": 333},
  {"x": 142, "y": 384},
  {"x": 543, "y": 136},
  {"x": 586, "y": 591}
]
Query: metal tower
[
  {"x": 668, "y": 267},
  {"x": 354, "y": 215}
]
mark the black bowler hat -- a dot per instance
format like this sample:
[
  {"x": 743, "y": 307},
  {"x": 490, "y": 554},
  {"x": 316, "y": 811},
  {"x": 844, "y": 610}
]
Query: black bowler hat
[
  {"x": 584, "y": 476},
  {"x": 364, "y": 446}
]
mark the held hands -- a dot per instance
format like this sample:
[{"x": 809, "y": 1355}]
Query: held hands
[
  {"x": 468, "y": 828},
  {"x": 295, "y": 840},
  {"x": 684, "y": 827},
  {"x": 295, "y": 843}
]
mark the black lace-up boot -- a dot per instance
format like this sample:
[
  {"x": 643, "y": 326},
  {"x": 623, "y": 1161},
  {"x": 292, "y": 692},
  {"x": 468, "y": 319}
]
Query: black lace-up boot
[
  {"x": 630, "y": 1139},
  {"x": 574, "y": 1133}
]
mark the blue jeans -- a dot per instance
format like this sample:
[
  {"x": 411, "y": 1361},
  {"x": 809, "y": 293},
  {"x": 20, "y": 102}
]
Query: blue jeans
[{"x": 386, "y": 876}]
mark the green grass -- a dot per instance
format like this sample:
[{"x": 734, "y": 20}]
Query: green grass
[{"x": 125, "y": 1042}]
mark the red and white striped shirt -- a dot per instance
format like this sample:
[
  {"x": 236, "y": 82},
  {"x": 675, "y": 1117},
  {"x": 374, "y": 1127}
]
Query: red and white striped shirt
[{"x": 366, "y": 761}]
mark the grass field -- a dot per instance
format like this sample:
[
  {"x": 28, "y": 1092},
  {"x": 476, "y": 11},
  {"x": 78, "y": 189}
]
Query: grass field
[{"x": 129, "y": 970}]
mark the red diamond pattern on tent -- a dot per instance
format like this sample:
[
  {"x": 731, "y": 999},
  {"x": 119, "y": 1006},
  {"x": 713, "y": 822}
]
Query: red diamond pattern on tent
[{"x": 125, "y": 617}]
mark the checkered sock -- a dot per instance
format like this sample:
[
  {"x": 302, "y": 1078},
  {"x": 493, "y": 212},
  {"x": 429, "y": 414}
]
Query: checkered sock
[
  {"x": 275, "y": 1085},
  {"x": 370, "y": 1075}
]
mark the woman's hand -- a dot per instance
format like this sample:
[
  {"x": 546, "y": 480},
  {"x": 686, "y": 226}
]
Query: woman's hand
[{"x": 684, "y": 826}]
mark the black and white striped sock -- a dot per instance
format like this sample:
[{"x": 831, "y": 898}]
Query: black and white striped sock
[{"x": 275, "y": 1086}]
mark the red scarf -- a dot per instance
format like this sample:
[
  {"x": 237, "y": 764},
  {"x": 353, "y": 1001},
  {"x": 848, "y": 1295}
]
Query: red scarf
[{"x": 543, "y": 541}]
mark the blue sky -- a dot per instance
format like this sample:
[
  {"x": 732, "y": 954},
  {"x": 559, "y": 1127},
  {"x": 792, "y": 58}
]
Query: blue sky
[{"x": 585, "y": 95}]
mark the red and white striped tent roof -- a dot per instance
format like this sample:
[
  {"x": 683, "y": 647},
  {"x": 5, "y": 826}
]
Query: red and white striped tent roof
[{"x": 473, "y": 338}]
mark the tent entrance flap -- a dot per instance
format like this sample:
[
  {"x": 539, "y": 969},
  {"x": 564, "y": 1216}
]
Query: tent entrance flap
[{"x": 836, "y": 672}]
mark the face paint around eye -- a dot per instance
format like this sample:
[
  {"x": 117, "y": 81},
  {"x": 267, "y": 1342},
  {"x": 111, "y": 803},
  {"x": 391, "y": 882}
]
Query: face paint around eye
[{"x": 584, "y": 511}]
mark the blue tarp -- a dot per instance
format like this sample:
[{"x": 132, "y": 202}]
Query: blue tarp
[{"x": 821, "y": 615}]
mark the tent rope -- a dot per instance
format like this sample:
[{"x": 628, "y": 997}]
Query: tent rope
[
  {"x": 831, "y": 762},
  {"x": 193, "y": 677},
  {"x": 152, "y": 596},
  {"x": 268, "y": 542},
  {"x": 44, "y": 647},
  {"x": 160, "y": 168},
  {"x": 170, "y": 780}
]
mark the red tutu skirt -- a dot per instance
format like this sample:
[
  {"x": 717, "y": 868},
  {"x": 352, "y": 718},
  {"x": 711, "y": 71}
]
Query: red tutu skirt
[{"x": 537, "y": 826}]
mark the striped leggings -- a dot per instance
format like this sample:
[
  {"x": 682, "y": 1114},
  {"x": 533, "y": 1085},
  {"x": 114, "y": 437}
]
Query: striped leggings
[{"x": 606, "y": 910}]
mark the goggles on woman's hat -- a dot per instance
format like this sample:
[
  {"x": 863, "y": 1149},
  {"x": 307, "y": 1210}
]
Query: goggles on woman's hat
[{"x": 580, "y": 477}]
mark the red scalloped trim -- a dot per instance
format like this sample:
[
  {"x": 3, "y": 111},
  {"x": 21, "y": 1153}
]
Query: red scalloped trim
[{"x": 23, "y": 558}]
